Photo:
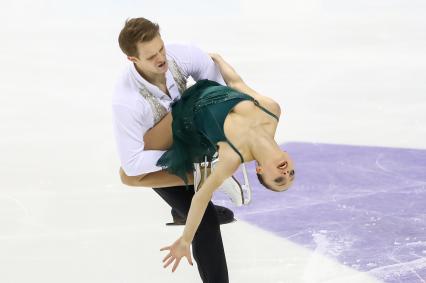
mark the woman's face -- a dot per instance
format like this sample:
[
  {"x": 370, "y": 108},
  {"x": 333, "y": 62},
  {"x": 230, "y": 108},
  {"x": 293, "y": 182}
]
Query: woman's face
[{"x": 278, "y": 173}]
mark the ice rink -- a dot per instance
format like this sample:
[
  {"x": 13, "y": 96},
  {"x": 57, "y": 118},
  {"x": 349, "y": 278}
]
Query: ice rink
[{"x": 349, "y": 75}]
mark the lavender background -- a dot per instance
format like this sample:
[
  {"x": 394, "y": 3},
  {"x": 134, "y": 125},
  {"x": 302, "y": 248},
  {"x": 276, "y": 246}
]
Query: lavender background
[{"x": 364, "y": 206}]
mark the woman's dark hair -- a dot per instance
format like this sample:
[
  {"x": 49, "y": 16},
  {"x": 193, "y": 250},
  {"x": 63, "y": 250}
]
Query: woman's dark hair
[{"x": 260, "y": 178}]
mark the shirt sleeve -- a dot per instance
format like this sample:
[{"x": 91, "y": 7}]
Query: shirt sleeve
[
  {"x": 197, "y": 64},
  {"x": 129, "y": 130}
]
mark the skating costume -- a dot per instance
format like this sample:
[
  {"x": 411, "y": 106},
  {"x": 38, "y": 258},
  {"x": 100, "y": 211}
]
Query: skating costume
[{"x": 198, "y": 119}]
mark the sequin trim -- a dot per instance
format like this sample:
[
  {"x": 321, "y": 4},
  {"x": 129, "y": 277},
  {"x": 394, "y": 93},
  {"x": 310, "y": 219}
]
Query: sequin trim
[
  {"x": 158, "y": 110},
  {"x": 177, "y": 75}
]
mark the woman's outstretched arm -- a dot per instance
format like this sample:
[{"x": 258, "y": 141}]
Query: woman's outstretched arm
[
  {"x": 234, "y": 80},
  {"x": 225, "y": 167},
  {"x": 230, "y": 76}
]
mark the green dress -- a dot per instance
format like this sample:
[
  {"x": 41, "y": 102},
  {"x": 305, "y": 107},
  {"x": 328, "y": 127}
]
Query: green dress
[{"x": 197, "y": 126}]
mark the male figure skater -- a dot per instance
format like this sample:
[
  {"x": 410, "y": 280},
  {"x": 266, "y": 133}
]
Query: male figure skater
[{"x": 144, "y": 93}]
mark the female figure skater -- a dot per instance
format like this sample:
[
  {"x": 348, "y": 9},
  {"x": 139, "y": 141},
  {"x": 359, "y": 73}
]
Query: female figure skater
[{"x": 234, "y": 121}]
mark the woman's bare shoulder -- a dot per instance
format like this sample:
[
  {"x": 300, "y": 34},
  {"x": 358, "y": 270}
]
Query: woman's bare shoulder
[
  {"x": 228, "y": 155},
  {"x": 263, "y": 100}
]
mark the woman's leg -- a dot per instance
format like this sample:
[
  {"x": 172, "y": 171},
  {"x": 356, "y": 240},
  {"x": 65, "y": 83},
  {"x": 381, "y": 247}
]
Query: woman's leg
[
  {"x": 160, "y": 137},
  {"x": 159, "y": 179},
  {"x": 207, "y": 246}
]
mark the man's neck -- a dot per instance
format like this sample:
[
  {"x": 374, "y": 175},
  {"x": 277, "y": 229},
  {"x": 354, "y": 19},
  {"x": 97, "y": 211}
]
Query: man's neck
[{"x": 155, "y": 79}]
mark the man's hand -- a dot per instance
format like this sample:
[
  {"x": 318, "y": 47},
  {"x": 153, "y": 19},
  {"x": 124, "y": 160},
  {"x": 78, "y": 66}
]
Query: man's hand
[{"x": 177, "y": 250}]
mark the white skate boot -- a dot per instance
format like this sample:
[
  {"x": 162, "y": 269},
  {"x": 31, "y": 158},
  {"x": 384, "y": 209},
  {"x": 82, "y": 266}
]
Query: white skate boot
[{"x": 231, "y": 187}]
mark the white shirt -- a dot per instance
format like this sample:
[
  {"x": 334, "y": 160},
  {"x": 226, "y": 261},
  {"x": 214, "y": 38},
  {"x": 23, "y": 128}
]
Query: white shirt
[{"x": 132, "y": 114}]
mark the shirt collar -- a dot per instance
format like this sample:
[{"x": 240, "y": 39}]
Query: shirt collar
[{"x": 170, "y": 83}]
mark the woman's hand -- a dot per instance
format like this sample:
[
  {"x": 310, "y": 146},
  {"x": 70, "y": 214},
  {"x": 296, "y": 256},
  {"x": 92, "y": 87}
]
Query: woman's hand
[
  {"x": 177, "y": 250},
  {"x": 215, "y": 56}
]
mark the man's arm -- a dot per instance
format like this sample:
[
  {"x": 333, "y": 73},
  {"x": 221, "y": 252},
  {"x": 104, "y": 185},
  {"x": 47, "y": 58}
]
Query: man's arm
[
  {"x": 139, "y": 167},
  {"x": 129, "y": 128}
]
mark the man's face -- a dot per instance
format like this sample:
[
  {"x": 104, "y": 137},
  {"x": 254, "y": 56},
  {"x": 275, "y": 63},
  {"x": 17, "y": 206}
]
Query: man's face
[{"x": 151, "y": 57}]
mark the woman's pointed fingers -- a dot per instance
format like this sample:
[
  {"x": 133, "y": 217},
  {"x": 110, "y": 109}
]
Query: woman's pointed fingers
[
  {"x": 176, "y": 264},
  {"x": 167, "y": 257},
  {"x": 165, "y": 248},
  {"x": 189, "y": 258},
  {"x": 171, "y": 259}
]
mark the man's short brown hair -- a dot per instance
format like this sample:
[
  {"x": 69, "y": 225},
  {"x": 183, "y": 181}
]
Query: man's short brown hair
[{"x": 134, "y": 31}]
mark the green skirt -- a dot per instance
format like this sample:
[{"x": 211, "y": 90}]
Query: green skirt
[{"x": 195, "y": 131}]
